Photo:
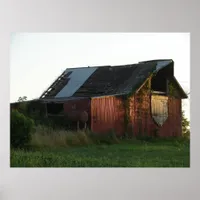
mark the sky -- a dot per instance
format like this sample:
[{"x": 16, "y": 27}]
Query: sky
[{"x": 37, "y": 59}]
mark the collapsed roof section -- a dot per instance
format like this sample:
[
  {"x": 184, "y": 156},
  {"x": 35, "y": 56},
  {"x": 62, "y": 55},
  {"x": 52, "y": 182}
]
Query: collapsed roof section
[{"x": 108, "y": 80}]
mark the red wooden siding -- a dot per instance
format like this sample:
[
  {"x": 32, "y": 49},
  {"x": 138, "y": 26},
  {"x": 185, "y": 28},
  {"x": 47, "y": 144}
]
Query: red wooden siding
[
  {"x": 171, "y": 127},
  {"x": 107, "y": 113}
]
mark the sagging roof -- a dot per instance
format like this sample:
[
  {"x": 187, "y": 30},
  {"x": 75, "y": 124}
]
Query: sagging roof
[{"x": 106, "y": 80}]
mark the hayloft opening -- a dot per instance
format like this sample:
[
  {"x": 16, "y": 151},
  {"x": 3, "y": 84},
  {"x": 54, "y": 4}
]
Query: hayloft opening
[
  {"x": 55, "y": 108},
  {"x": 159, "y": 84}
]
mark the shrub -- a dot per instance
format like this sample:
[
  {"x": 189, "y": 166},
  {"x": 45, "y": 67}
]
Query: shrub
[
  {"x": 185, "y": 126},
  {"x": 20, "y": 129}
]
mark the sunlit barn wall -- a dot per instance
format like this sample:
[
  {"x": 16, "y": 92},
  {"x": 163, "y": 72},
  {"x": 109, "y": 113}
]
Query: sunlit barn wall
[{"x": 109, "y": 112}]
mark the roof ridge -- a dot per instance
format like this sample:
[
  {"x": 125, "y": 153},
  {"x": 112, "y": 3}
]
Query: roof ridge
[
  {"x": 121, "y": 65},
  {"x": 158, "y": 60},
  {"x": 86, "y": 67}
]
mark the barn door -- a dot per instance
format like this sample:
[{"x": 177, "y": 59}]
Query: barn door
[{"x": 159, "y": 109}]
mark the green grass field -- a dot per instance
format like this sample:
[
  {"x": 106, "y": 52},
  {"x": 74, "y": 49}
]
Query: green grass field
[{"x": 125, "y": 154}]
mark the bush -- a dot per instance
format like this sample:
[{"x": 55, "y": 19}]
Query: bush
[
  {"x": 20, "y": 129},
  {"x": 185, "y": 126}
]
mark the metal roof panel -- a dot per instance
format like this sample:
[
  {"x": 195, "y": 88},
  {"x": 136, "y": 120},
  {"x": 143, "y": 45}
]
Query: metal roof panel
[{"x": 76, "y": 80}]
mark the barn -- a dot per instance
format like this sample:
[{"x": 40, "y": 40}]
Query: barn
[{"x": 141, "y": 98}]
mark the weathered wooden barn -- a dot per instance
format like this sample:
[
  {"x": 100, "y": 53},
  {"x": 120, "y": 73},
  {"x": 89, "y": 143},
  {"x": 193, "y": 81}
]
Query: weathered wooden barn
[{"x": 142, "y": 98}]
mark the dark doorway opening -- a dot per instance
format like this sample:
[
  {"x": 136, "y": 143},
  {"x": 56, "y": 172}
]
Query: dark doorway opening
[
  {"x": 159, "y": 84},
  {"x": 55, "y": 108}
]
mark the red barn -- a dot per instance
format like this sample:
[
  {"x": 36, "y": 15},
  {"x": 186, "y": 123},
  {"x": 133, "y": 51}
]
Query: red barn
[{"x": 142, "y": 98}]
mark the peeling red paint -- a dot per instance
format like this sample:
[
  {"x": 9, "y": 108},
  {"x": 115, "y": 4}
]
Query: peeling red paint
[{"x": 108, "y": 113}]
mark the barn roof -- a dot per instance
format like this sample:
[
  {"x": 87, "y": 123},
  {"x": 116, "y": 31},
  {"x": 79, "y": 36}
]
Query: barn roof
[{"x": 105, "y": 80}]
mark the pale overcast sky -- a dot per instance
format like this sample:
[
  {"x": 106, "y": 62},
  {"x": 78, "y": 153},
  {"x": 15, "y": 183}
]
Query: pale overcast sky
[{"x": 37, "y": 59}]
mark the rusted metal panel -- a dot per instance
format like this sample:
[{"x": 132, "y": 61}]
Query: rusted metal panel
[{"x": 107, "y": 114}]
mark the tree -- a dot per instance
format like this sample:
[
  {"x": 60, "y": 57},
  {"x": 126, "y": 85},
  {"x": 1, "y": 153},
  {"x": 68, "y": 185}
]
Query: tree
[
  {"x": 185, "y": 126},
  {"x": 23, "y": 104},
  {"x": 21, "y": 99}
]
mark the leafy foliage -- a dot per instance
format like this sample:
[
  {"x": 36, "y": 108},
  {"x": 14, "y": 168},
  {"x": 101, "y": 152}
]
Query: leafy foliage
[
  {"x": 21, "y": 99},
  {"x": 20, "y": 127},
  {"x": 185, "y": 126}
]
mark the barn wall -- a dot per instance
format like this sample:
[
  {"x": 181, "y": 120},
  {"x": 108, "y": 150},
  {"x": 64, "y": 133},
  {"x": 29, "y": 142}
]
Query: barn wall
[
  {"x": 107, "y": 113},
  {"x": 79, "y": 105},
  {"x": 143, "y": 122}
]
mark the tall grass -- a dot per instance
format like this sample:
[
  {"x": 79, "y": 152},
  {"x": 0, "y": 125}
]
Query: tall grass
[
  {"x": 45, "y": 136},
  {"x": 171, "y": 152},
  {"x": 49, "y": 137}
]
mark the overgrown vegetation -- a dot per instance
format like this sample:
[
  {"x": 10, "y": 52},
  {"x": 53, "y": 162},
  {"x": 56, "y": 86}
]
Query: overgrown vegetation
[
  {"x": 143, "y": 110},
  {"x": 171, "y": 89},
  {"x": 51, "y": 146},
  {"x": 20, "y": 129},
  {"x": 49, "y": 137},
  {"x": 185, "y": 126},
  {"x": 127, "y": 107}
]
